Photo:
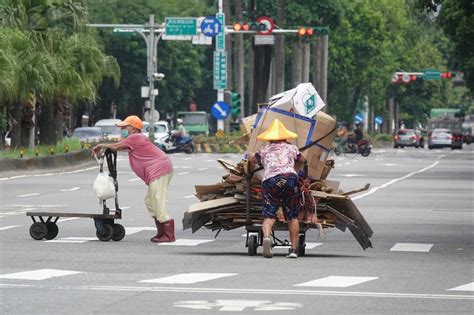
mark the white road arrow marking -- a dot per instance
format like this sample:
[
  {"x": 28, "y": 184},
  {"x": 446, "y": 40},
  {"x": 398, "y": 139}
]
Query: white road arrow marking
[{"x": 71, "y": 189}]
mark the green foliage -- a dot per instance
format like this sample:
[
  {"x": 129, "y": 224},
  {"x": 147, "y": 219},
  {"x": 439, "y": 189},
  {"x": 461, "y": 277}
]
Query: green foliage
[{"x": 71, "y": 144}]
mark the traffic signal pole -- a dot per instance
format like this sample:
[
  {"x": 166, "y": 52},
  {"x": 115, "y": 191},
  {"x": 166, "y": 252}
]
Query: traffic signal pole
[
  {"x": 151, "y": 41},
  {"x": 220, "y": 92}
]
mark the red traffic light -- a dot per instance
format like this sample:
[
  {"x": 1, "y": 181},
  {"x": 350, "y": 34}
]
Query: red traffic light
[
  {"x": 305, "y": 31},
  {"x": 446, "y": 75},
  {"x": 241, "y": 26}
]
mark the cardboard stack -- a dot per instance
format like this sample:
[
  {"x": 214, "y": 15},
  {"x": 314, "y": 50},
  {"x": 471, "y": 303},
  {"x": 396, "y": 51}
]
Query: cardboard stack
[{"x": 236, "y": 200}]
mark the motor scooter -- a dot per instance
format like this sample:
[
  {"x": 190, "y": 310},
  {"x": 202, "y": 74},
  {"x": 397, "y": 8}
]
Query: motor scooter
[
  {"x": 175, "y": 144},
  {"x": 352, "y": 148}
]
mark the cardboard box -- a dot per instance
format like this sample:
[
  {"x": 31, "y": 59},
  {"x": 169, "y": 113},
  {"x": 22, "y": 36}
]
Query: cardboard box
[
  {"x": 302, "y": 100},
  {"x": 248, "y": 124},
  {"x": 308, "y": 130}
]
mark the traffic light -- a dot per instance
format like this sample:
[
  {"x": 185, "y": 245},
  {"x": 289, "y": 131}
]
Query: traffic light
[
  {"x": 447, "y": 75},
  {"x": 310, "y": 31},
  {"x": 234, "y": 105},
  {"x": 250, "y": 26}
]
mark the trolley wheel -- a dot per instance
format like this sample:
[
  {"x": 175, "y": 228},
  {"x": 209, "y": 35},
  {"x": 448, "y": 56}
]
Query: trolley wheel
[
  {"x": 301, "y": 245},
  {"x": 106, "y": 234},
  {"x": 53, "y": 230},
  {"x": 119, "y": 232},
  {"x": 252, "y": 245},
  {"x": 38, "y": 230}
]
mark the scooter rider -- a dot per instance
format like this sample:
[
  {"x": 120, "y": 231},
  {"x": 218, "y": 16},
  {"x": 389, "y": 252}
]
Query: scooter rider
[
  {"x": 180, "y": 133},
  {"x": 154, "y": 167}
]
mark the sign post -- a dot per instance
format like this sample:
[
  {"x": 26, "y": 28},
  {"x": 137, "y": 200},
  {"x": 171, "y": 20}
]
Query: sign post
[{"x": 220, "y": 54}]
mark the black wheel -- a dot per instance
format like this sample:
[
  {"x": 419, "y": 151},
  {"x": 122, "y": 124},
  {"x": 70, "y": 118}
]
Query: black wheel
[
  {"x": 350, "y": 150},
  {"x": 106, "y": 234},
  {"x": 38, "y": 230},
  {"x": 430, "y": 147},
  {"x": 402, "y": 146},
  {"x": 53, "y": 230},
  {"x": 119, "y": 232},
  {"x": 337, "y": 151},
  {"x": 190, "y": 148},
  {"x": 365, "y": 152},
  {"x": 395, "y": 146},
  {"x": 252, "y": 245},
  {"x": 416, "y": 146},
  {"x": 301, "y": 245}
]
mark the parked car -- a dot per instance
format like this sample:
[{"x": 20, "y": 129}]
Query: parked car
[
  {"x": 88, "y": 134},
  {"x": 442, "y": 138},
  {"x": 162, "y": 129},
  {"x": 408, "y": 138},
  {"x": 110, "y": 131},
  {"x": 467, "y": 132}
]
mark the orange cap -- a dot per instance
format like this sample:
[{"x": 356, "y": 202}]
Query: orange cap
[{"x": 133, "y": 121}]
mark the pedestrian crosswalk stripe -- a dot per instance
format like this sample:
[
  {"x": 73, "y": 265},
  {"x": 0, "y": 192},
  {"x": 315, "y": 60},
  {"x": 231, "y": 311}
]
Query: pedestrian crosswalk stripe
[
  {"x": 464, "y": 287},
  {"x": 40, "y": 274},
  {"x": 8, "y": 227},
  {"x": 189, "y": 278},
  {"x": 411, "y": 247},
  {"x": 308, "y": 246},
  {"x": 133, "y": 230},
  {"x": 336, "y": 282},
  {"x": 186, "y": 242},
  {"x": 72, "y": 240}
]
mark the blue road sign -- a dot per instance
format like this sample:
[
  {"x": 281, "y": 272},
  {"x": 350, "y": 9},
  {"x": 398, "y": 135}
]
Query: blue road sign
[
  {"x": 211, "y": 26},
  {"x": 359, "y": 117},
  {"x": 220, "y": 110},
  {"x": 378, "y": 120}
]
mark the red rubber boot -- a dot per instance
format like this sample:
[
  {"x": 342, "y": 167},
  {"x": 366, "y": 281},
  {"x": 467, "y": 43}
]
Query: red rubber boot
[
  {"x": 159, "y": 231},
  {"x": 168, "y": 235}
]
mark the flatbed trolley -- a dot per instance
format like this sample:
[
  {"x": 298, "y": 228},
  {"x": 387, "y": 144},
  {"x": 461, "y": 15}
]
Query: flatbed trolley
[
  {"x": 45, "y": 223},
  {"x": 254, "y": 237}
]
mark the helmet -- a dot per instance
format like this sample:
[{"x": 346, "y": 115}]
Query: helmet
[{"x": 179, "y": 121}]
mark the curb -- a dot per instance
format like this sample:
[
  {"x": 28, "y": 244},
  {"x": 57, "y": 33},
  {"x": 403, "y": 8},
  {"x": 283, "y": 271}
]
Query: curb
[{"x": 60, "y": 161}]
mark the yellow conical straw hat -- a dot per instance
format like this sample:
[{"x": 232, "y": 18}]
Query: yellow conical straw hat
[{"x": 277, "y": 131}]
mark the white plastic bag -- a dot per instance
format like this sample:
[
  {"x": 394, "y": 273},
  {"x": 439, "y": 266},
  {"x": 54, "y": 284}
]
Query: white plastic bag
[{"x": 104, "y": 186}]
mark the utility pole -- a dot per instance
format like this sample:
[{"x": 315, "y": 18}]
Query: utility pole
[{"x": 151, "y": 42}]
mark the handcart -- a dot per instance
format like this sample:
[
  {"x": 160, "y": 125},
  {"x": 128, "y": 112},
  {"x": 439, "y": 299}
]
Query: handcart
[
  {"x": 45, "y": 223},
  {"x": 254, "y": 237}
]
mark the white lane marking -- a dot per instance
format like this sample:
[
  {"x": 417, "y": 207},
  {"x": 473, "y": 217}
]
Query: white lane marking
[
  {"x": 248, "y": 291},
  {"x": 189, "y": 278},
  {"x": 308, "y": 246},
  {"x": 336, "y": 282},
  {"x": 237, "y": 305},
  {"x": 187, "y": 159},
  {"x": 186, "y": 242},
  {"x": 49, "y": 174},
  {"x": 133, "y": 230},
  {"x": 8, "y": 227},
  {"x": 389, "y": 164},
  {"x": 28, "y": 195},
  {"x": 411, "y": 247},
  {"x": 464, "y": 287},
  {"x": 71, "y": 189},
  {"x": 134, "y": 179},
  {"x": 182, "y": 167},
  {"x": 183, "y": 173},
  {"x": 72, "y": 240},
  {"x": 393, "y": 181},
  {"x": 68, "y": 219},
  {"x": 189, "y": 196},
  {"x": 352, "y": 175},
  {"x": 40, "y": 274},
  {"x": 202, "y": 169}
]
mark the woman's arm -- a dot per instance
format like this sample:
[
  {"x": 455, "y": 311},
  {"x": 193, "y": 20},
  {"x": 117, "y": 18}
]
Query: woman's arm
[{"x": 112, "y": 146}]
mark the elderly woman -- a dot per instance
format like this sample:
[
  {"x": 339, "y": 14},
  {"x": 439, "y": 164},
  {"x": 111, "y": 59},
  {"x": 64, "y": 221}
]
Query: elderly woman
[{"x": 279, "y": 183}]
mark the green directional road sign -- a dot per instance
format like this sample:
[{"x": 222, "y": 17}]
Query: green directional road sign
[
  {"x": 431, "y": 74},
  {"x": 180, "y": 26},
  {"x": 220, "y": 70},
  {"x": 220, "y": 38}
]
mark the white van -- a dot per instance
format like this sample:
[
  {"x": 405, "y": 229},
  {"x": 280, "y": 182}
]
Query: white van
[{"x": 110, "y": 131}]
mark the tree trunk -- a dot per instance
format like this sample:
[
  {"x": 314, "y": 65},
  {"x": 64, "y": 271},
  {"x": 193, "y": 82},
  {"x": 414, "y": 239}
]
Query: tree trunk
[
  {"x": 251, "y": 79},
  {"x": 296, "y": 60},
  {"x": 279, "y": 60},
  {"x": 262, "y": 63},
  {"x": 317, "y": 73},
  {"x": 16, "y": 126},
  {"x": 47, "y": 125}
]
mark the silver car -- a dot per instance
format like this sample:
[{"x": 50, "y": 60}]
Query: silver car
[{"x": 440, "y": 138}]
